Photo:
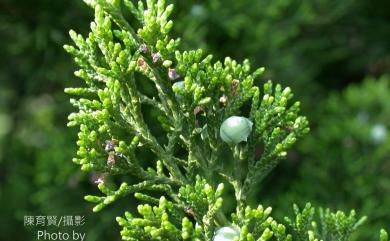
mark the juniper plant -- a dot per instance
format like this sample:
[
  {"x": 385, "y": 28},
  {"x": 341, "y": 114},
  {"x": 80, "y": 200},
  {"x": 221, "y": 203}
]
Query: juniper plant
[{"x": 212, "y": 117}]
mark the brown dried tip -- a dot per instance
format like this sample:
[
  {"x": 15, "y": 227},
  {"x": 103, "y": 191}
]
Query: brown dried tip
[
  {"x": 111, "y": 158},
  {"x": 223, "y": 100},
  {"x": 110, "y": 145},
  {"x": 101, "y": 178},
  {"x": 190, "y": 212},
  {"x": 234, "y": 86},
  {"x": 198, "y": 110},
  {"x": 172, "y": 74},
  {"x": 156, "y": 57},
  {"x": 143, "y": 48},
  {"x": 141, "y": 63}
]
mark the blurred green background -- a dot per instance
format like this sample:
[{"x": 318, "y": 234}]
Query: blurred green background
[{"x": 334, "y": 54}]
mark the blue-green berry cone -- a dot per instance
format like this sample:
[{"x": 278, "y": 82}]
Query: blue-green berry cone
[
  {"x": 176, "y": 87},
  {"x": 235, "y": 129},
  {"x": 226, "y": 234}
]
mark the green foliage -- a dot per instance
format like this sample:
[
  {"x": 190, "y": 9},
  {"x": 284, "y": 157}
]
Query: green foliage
[
  {"x": 257, "y": 224},
  {"x": 116, "y": 61},
  {"x": 162, "y": 223},
  {"x": 312, "y": 46},
  {"x": 347, "y": 154},
  {"x": 112, "y": 58},
  {"x": 383, "y": 235},
  {"x": 330, "y": 226}
]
